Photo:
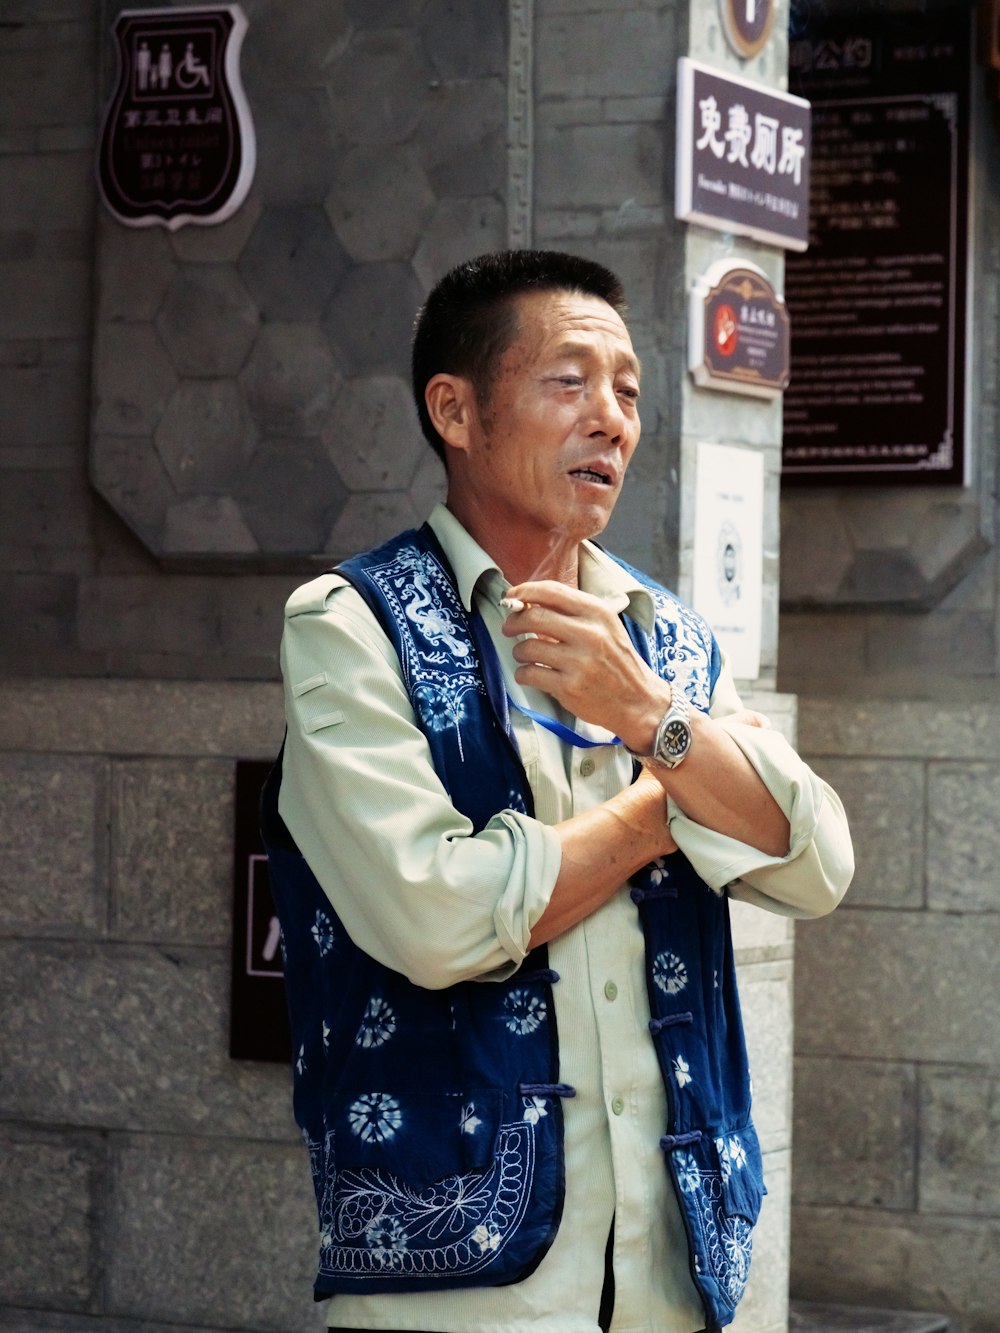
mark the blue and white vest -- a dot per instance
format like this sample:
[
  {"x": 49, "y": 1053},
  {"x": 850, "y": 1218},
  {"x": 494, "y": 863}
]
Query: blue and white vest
[{"x": 434, "y": 1118}]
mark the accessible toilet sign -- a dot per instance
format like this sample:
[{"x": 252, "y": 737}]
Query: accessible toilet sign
[{"x": 177, "y": 143}]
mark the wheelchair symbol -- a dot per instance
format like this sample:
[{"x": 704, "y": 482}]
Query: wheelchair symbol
[{"x": 190, "y": 72}]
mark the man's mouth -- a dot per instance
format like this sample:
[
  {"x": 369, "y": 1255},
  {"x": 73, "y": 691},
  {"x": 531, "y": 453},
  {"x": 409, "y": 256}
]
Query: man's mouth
[{"x": 592, "y": 475}]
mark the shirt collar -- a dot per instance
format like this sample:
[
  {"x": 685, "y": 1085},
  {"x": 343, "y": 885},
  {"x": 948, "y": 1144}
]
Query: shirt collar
[{"x": 473, "y": 566}]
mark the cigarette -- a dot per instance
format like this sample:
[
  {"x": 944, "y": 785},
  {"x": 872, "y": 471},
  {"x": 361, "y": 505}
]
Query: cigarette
[{"x": 513, "y": 603}]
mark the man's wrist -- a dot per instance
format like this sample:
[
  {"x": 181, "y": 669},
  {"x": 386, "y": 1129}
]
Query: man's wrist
[
  {"x": 673, "y": 736},
  {"x": 641, "y": 738}
]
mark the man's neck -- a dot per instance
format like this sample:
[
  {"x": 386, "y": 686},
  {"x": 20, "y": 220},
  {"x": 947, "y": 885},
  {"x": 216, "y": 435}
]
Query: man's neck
[{"x": 553, "y": 555}]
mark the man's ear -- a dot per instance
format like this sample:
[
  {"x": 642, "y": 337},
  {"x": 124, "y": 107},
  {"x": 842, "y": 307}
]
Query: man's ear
[{"x": 451, "y": 405}]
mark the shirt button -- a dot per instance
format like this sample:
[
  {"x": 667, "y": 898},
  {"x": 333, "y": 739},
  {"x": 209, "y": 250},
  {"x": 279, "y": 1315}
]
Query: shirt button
[
  {"x": 587, "y": 767},
  {"x": 611, "y": 990},
  {"x": 618, "y": 1105}
]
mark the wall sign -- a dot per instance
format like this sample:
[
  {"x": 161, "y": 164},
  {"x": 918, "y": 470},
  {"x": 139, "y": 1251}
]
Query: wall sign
[
  {"x": 742, "y": 157},
  {"x": 729, "y": 551},
  {"x": 258, "y": 1017},
  {"x": 878, "y": 305},
  {"x": 177, "y": 144},
  {"x": 738, "y": 331},
  {"x": 747, "y": 24}
]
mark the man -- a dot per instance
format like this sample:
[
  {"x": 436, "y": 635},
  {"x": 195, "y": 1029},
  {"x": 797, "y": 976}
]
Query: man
[{"x": 517, "y": 787}]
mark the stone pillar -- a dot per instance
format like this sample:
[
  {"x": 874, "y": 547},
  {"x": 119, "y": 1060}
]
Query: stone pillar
[{"x": 603, "y": 137}]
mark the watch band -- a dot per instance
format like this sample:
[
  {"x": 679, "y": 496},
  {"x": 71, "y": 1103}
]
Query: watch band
[{"x": 672, "y": 740}]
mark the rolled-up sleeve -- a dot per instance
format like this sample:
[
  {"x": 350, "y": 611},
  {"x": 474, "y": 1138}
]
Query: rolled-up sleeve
[
  {"x": 412, "y": 884},
  {"x": 812, "y": 878}
]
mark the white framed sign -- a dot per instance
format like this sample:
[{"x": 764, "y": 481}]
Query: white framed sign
[
  {"x": 729, "y": 551},
  {"x": 742, "y": 156}
]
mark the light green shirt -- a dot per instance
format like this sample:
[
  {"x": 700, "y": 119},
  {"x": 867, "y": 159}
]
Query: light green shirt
[{"x": 417, "y": 891}]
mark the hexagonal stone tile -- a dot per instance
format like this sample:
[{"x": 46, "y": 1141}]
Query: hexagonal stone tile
[
  {"x": 293, "y": 263},
  {"x": 221, "y": 243},
  {"x": 370, "y": 318},
  {"x": 290, "y": 496},
  {"x": 208, "y": 320},
  {"x": 816, "y": 569},
  {"x": 367, "y": 520},
  {"x": 129, "y": 473},
  {"x": 293, "y": 45},
  {"x": 295, "y": 145},
  {"x": 379, "y": 201},
  {"x": 207, "y": 525},
  {"x": 133, "y": 379},
  {"x": 465, "y": 39},
  {"x": 206, "y": 436},
  {"x": 460, "y": 229},
  {"x": 372, "y": 436},
  {"x": 134, "y": 271},
  {"x": 889, "y": 577},
  {"x": 380, "y": 86},
  {"x": 290, "y": 379},
  {"x": 462, "y": 139}
]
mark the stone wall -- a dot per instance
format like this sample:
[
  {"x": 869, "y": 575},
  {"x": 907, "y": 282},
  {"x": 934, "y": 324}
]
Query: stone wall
[
  {"x": 189, "y": 421},
  {"x": 897, "y": 1085},
  {"x": 149, "y": 1180},
  {"x": 895, "y": 1198}
]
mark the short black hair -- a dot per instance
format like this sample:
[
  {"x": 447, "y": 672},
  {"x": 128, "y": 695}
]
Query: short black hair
[{"x": 470, "y": 318}]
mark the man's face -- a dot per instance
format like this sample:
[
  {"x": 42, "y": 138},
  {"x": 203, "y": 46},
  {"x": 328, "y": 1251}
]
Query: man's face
[{"x": 548, "y": 451}]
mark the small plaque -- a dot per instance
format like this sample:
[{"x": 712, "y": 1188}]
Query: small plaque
[
  {"x": 258, "y": 1016},
  {"x": 738, "y": 332},
  {"x": 747, "y": 25},
  {"x": 177, "y": 144}
]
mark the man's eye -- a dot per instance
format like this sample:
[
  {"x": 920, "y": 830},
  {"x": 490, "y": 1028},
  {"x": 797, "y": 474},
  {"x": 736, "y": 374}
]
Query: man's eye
[
  {"x": 629, "y": 391},
  {"x": 572, "y": 381}
]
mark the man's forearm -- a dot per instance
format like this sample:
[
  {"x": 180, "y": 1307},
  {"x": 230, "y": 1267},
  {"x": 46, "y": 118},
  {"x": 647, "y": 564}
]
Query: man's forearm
[
  {"x": 601, "y": 849},
  {"x": 719, "y": 788}
]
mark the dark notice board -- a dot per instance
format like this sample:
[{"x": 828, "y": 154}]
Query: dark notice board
[
  {"x": 258, "y": 1017},
  {"x": 878, "y": 301}
]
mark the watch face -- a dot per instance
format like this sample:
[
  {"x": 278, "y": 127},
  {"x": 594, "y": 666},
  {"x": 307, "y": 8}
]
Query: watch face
[{"x": 676, "y": 739}]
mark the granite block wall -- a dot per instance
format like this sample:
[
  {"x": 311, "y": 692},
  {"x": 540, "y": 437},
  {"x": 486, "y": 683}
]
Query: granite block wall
[
  {"x": 897, "y": 1053},
  {"x": 149, "y": 1180},
  {"x": 190, "y": 422},
  {"x": 897, "y": 1062}
]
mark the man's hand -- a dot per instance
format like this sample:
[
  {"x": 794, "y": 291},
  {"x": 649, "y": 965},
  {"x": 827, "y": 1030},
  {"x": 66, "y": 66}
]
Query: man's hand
[
  {"x": 582, "y": 656},
  {"x": 578, "y": 652}
]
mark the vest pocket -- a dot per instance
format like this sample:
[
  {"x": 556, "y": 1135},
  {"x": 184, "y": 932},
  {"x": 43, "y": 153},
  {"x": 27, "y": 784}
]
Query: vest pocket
[{"x": 442, "y": 1188}]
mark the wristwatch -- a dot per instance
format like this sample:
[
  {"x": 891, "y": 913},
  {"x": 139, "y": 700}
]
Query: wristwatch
[{"x": 673, "y": 733}]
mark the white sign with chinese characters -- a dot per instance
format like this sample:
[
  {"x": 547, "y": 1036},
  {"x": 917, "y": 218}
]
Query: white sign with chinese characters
[
  {"x": 742, "y": 156},
  {"x": 729, "y": 551}
]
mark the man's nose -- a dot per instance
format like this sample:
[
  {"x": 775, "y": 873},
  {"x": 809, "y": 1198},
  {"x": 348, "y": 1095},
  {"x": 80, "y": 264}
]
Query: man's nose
[{"x": 608, "y": 413}]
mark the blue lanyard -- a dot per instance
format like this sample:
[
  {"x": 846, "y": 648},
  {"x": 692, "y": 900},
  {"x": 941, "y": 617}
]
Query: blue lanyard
[{"x": 559, "y": 729}]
